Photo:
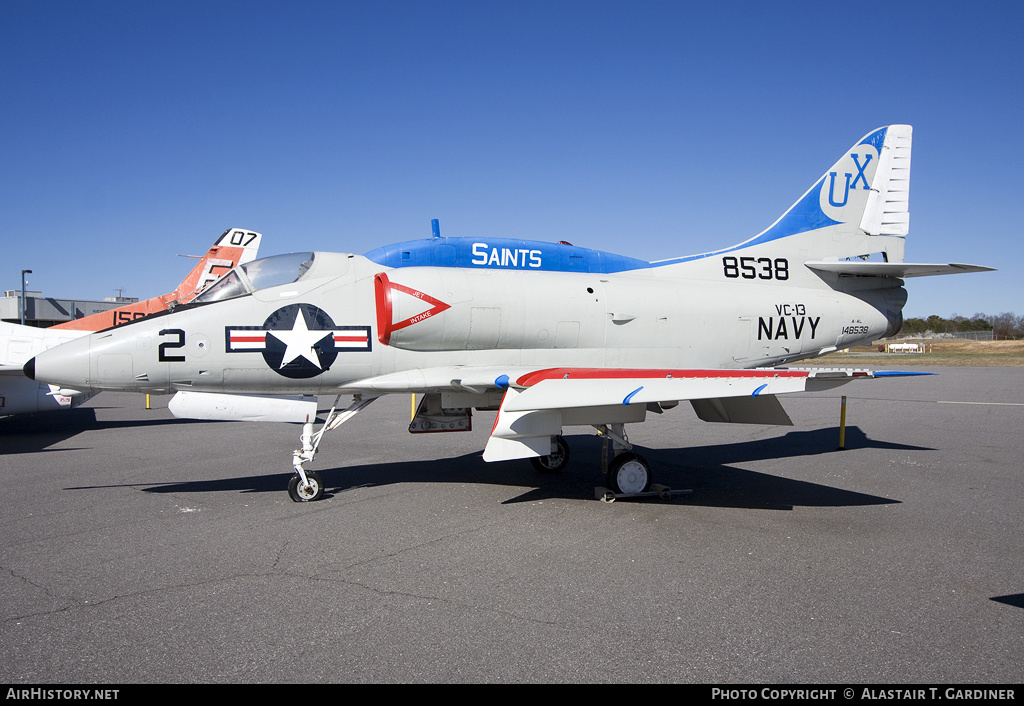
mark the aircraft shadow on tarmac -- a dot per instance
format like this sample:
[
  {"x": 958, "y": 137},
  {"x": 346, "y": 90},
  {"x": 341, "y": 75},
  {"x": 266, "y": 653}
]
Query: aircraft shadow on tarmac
[
  {"x": 35, "y": 433},
  {"x": 707, "y": 471},
  {"x": 1016, "y": 600}
]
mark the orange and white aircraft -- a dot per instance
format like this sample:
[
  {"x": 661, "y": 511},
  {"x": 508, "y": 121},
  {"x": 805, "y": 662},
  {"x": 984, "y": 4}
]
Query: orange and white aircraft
[
  {"x": 20, "y": 395},
  {"x": 236, "y": 246}
]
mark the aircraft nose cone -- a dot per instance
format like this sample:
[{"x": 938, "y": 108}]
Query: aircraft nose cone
[{"x": 66, "y": 365}]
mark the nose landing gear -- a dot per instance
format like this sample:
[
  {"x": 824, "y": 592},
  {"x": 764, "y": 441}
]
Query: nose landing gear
[{"x": 307, "y": 486}]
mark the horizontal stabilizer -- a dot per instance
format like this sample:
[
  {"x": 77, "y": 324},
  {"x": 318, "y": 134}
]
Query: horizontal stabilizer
[{"x": 855, "y": 268}]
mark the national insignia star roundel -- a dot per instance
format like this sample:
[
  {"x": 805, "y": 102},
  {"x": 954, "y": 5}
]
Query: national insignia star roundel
[{"x": 298, "y": 340}]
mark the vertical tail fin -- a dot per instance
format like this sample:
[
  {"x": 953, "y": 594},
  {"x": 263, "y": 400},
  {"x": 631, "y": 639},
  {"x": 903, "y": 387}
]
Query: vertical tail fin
[
  {"x": 859, "y": 207},
  {"x": 235, "y": 246}
]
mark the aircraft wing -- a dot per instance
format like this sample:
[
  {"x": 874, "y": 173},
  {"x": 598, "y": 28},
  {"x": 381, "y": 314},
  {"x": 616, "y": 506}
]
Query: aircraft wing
[
  {"x": 554, "y": 388},
  {"x": 892, "y": 269},
  {"x": 453, "y": 378},
  {"x": 537, "y": 405},
  {"x": 561, "y": 387},
  {"x": 662, "y": 384}
]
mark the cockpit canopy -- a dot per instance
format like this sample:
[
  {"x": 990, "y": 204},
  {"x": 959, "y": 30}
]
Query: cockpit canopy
[{"x": 258, "y": 274}]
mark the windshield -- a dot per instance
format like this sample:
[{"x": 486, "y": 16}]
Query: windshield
[
  {"x": 279, "y": 269},
  {"x": 259, "y": 274}
]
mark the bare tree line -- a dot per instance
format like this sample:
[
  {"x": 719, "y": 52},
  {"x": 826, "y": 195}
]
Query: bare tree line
[{"x": 1006, "y": 325}]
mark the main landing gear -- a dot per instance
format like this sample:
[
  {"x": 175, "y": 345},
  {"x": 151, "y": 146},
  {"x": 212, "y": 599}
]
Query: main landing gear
[
  {"x": 626, "y": 475},
  {"x": 307, "y": 486},
  {"x": 556, "y": 461},
  {"x": 629, "y": 474}
]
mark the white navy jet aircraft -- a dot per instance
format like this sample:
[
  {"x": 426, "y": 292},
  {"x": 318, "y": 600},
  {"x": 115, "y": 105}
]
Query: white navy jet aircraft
[{"x": 550, "y": 335}]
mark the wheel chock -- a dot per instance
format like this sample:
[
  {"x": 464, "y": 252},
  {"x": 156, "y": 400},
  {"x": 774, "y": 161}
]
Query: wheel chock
[{"x": 660, "y": 491}]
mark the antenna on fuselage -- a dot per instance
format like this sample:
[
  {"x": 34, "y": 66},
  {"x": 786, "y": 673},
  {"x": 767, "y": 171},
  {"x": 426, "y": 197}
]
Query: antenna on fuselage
[{"x": 435, "y": 226}]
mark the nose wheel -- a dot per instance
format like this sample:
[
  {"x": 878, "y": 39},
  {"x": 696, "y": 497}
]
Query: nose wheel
[{"x": 306, "y": 491}]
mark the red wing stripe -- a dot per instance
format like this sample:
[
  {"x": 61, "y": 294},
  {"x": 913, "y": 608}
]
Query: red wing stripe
[{"x": 628, "y": 373}]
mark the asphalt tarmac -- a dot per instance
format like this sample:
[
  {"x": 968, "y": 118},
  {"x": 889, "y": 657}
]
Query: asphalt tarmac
[{"x": 138, "y": 548}]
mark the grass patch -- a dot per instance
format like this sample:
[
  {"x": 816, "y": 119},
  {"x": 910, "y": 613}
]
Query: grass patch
[{"x": 937, "y": 352}]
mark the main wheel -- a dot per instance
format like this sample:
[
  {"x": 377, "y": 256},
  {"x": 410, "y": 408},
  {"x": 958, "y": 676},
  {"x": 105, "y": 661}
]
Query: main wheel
[
  {"x": 300, "y": 493},
  {"x": 556, "y": 460},
  {"x": 629, "y": 473}
]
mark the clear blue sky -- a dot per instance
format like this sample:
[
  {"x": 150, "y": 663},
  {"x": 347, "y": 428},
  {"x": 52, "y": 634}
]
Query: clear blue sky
[{"x": 133, "y": 132}]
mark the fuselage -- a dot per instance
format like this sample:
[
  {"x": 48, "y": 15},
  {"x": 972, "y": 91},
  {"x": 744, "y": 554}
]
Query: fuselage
[{"x": 348, "y": 318}]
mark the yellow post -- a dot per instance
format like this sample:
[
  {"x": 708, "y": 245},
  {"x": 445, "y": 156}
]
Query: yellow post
[
  {"x": 147, "y": 400},
  {"x": 842, "y": 425},
  {"x": 412, "y": 412}
]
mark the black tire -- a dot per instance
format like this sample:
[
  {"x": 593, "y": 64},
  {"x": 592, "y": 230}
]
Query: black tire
[
  {"x": 554, "y": 462},
  {"x": 629, "y": 473},
  {"x": 306, "y": 494}
]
